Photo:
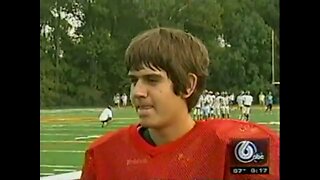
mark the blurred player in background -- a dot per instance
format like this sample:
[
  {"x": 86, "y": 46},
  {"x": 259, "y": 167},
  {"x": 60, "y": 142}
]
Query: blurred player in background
[
  {"x": 216, "y": 105},
  {"x": 124, "y": 100},
  {"x": 212, "y": 97},
  {"x": 262, "y": 99},
  {"x": 116, "y": 100},
  {"x": 225, "y": 109},
  {"x": 197, "y": 114},
  {"x": 106, "y": 116},
  {"x": 206, "y": 106},
  {"x": 269, "y": 102},
  {"x": 240, "y": 104},
  {"x": 247, "y": 102}
]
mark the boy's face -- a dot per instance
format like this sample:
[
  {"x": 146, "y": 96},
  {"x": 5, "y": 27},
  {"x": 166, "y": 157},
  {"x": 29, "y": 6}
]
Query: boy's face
[{"x": 153, "y": 97}]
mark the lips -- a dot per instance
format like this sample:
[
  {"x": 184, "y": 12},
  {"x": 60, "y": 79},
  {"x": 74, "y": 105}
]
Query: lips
[
  {"x": 144, "y": 107},
  {"x": 144, "y": 110}
]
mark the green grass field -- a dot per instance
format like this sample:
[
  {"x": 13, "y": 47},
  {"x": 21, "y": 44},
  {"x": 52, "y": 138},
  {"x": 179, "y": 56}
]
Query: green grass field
[{"x": 65, "y": 134}]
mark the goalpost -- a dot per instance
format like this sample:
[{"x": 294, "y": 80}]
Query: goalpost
[{"x": 273, "y": 64}]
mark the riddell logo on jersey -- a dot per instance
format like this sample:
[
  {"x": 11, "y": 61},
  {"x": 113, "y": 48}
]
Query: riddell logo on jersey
[
  {"x": 136, "y": 161},
  {"x": 249, "y": 151}
]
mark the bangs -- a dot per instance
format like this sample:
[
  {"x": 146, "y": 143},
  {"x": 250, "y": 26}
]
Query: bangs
[
  {"x": 141, "y": 60},
  {"x": 146, "y": 53}
]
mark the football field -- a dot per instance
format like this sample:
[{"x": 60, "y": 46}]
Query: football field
[{"x": 65, "y": 134}]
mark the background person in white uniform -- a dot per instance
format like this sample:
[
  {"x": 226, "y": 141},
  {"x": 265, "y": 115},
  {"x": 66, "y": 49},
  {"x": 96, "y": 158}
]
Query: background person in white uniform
[{"x": 105, "y": 116}]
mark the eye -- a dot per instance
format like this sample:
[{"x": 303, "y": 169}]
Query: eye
[
  {"x": 133, "y": 80},
  {"x": 152, "y": 79}
]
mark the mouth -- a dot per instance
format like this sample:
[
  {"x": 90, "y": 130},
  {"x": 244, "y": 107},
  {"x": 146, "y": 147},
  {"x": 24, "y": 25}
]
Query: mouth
[
  {"x": 144, "y": 110},
  {"x": 144, "y": 107}
]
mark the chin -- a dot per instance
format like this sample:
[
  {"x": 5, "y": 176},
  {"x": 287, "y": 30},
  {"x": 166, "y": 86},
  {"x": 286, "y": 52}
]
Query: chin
[{"x": 148, "y": 123}]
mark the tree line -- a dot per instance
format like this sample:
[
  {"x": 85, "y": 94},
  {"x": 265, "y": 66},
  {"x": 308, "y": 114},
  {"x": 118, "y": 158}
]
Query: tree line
[{"x": 82, "y": 44}]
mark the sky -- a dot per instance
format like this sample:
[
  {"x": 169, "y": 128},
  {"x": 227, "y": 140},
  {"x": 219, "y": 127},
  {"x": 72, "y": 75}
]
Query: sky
[{"x": 70, "y": 18}]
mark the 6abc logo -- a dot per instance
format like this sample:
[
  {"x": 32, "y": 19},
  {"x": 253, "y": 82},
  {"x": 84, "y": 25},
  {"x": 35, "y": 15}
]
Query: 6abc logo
[{"x": 246, "y": 152}]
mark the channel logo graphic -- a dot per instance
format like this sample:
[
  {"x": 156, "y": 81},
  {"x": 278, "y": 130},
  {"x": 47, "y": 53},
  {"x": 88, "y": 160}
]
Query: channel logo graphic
[{"x": 250, "y": 151}]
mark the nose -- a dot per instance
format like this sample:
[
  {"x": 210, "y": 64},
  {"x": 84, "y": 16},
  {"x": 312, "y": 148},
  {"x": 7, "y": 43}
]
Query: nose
[{"x": 138, "y": 90}]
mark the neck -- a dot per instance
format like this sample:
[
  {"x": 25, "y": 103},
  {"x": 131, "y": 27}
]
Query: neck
[{"x": 172, "y": 132}]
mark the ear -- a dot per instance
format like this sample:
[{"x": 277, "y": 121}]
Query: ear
[{"x": 191, "y": 86}]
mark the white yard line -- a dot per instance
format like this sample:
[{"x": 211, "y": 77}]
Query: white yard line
[
  {"x": 270, "y": 123},
  {"x": 58, "y": 166},
  {"x": 61, "y": 151},
  {"x": 70, "y": 110},
  {"x": 46, "y": 174},
  {"x": 86, "y": 130},
  {"x": 59, "y": 134},
  {"x": 65, "y": 141},
  {"x": 85, "y": 125},
  {"x": 64, "y": 176},
  {"x": 64, "y": 170},
  {"x": 85, "y": 118},
  {"x": 87, "y": 137}
]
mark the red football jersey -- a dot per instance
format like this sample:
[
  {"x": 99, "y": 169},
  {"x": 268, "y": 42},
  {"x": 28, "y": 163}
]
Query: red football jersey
[{"x": 214, "y": 149}]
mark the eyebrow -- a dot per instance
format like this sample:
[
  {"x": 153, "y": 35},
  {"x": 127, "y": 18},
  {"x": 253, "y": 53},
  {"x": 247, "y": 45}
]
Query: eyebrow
[{"x": 145, "y": 75}]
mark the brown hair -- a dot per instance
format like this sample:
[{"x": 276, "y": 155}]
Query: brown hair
[{"x": 174, "y": 51}]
